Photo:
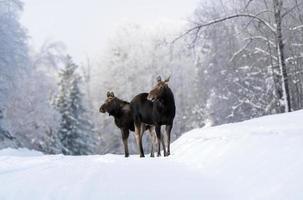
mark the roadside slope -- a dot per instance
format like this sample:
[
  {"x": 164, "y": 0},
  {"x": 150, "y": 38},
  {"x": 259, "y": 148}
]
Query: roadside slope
[{"x": 255, "y": 159}]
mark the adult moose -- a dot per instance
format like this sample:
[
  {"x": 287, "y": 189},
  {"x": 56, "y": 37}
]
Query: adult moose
[
  {"x": 154, "y": 108},
  {"x": 121, "y": 111}
]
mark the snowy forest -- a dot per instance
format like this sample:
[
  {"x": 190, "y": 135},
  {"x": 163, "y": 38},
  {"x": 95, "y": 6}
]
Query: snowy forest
[{"x": 231, "y": 61}]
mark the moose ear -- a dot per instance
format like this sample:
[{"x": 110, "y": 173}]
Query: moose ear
[
  {"x": 159, "y": 78},
  {"x": 110, "y": 94},
  {"x": 166, "y": 80}
]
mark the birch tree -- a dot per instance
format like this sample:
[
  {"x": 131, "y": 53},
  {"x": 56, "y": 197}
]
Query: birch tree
[{"x": 268, "y": 27}]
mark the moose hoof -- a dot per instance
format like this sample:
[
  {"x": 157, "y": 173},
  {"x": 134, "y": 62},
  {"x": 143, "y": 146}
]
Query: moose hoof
[
  {"x": 126, "y": 155},
  {"x": 152, "y": 155},
  {"x": 141, "y": 156},
  {"x": 159, "y": 154}
]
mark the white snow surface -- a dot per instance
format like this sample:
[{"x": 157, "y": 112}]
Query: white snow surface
[{"x": 256, "y": 159}]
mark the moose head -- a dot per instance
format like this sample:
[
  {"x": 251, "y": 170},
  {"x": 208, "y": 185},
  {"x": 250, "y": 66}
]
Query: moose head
[
  {"x": 159, "y": 89},
  {"x": 109, "y": 103}
]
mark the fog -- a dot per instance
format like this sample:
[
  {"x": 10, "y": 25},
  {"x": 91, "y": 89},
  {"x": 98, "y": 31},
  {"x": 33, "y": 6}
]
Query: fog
[{"x": 85, "y": 26}]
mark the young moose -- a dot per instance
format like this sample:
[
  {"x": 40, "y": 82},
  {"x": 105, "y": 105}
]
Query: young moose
[
  {"x": 154, "y": 108},
  {"x": 121, "y": 111}
]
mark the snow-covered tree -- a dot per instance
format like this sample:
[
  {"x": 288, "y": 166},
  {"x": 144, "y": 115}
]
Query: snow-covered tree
[
  {"x": 267, "y": 28},
  {"x": 248, "y": 58},
  {"x": 75, "y": 132},
  {"x": 6, "y": 139},
  {"x": 14, "y": 60}
]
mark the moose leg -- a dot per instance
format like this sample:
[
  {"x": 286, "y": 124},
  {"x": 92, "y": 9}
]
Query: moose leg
[
  {"x": 158, "y": 133},
  {"x": 125, "y": 134},
  {"x": 163, "y": 145},
  {"x": 138, "y": 136},
  {"x": 168, "y": 129},
  {"x": 160, "y": 139},
  {"x": 152, "y": 139}
]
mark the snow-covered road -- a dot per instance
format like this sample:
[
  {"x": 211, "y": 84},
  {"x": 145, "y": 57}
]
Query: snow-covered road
[
  {"x": 100, "y": 177},
  {"x": 256, "y": 159}
]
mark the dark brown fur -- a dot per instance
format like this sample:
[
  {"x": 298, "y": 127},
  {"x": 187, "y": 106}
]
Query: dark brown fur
[
  {"x": 121, "y": 111},
  {"x": 154, "y": 108}
]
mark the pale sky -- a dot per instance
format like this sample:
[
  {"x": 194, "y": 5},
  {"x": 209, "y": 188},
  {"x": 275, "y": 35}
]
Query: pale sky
[{"x": 85, "y": 25}]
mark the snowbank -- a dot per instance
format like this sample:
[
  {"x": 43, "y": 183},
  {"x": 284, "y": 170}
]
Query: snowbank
[
  {"x": 256, "y": 159},
  {"x": 21, "y": 152}
]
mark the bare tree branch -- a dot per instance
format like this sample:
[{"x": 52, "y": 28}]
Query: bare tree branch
[
  {"x": 266, "y": 53},
  {"x": 290, "y": 10},
  {"x": 240, "y": 50},
  {"x": 258, "y": 14},
  {"x": 247, "y": 4},
  {"x": 262, "y": 38},
  {"x": 200, "y": 26},
  {"x": 297, "y": 27}
]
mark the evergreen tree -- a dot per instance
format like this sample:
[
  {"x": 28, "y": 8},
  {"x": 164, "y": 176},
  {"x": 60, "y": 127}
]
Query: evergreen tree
[
  {"x": 14, "y": 65},
  {"x": 75, "y": 131},
  {"x": 6, "y": 139}
]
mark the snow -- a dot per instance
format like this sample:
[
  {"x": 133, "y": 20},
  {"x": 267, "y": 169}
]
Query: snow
[
  {"x": 255, "y": 159},
  {"x": 22, "y": 152}
]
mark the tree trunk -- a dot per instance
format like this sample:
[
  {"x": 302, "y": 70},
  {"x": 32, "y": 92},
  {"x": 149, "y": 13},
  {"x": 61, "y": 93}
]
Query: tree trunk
[{"x": 281, "y": 59}]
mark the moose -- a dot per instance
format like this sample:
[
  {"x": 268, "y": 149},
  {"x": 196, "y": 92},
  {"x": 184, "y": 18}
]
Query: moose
[
  {"x": 155, "y": 108},
  {"x": 123, "y": 117}
]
